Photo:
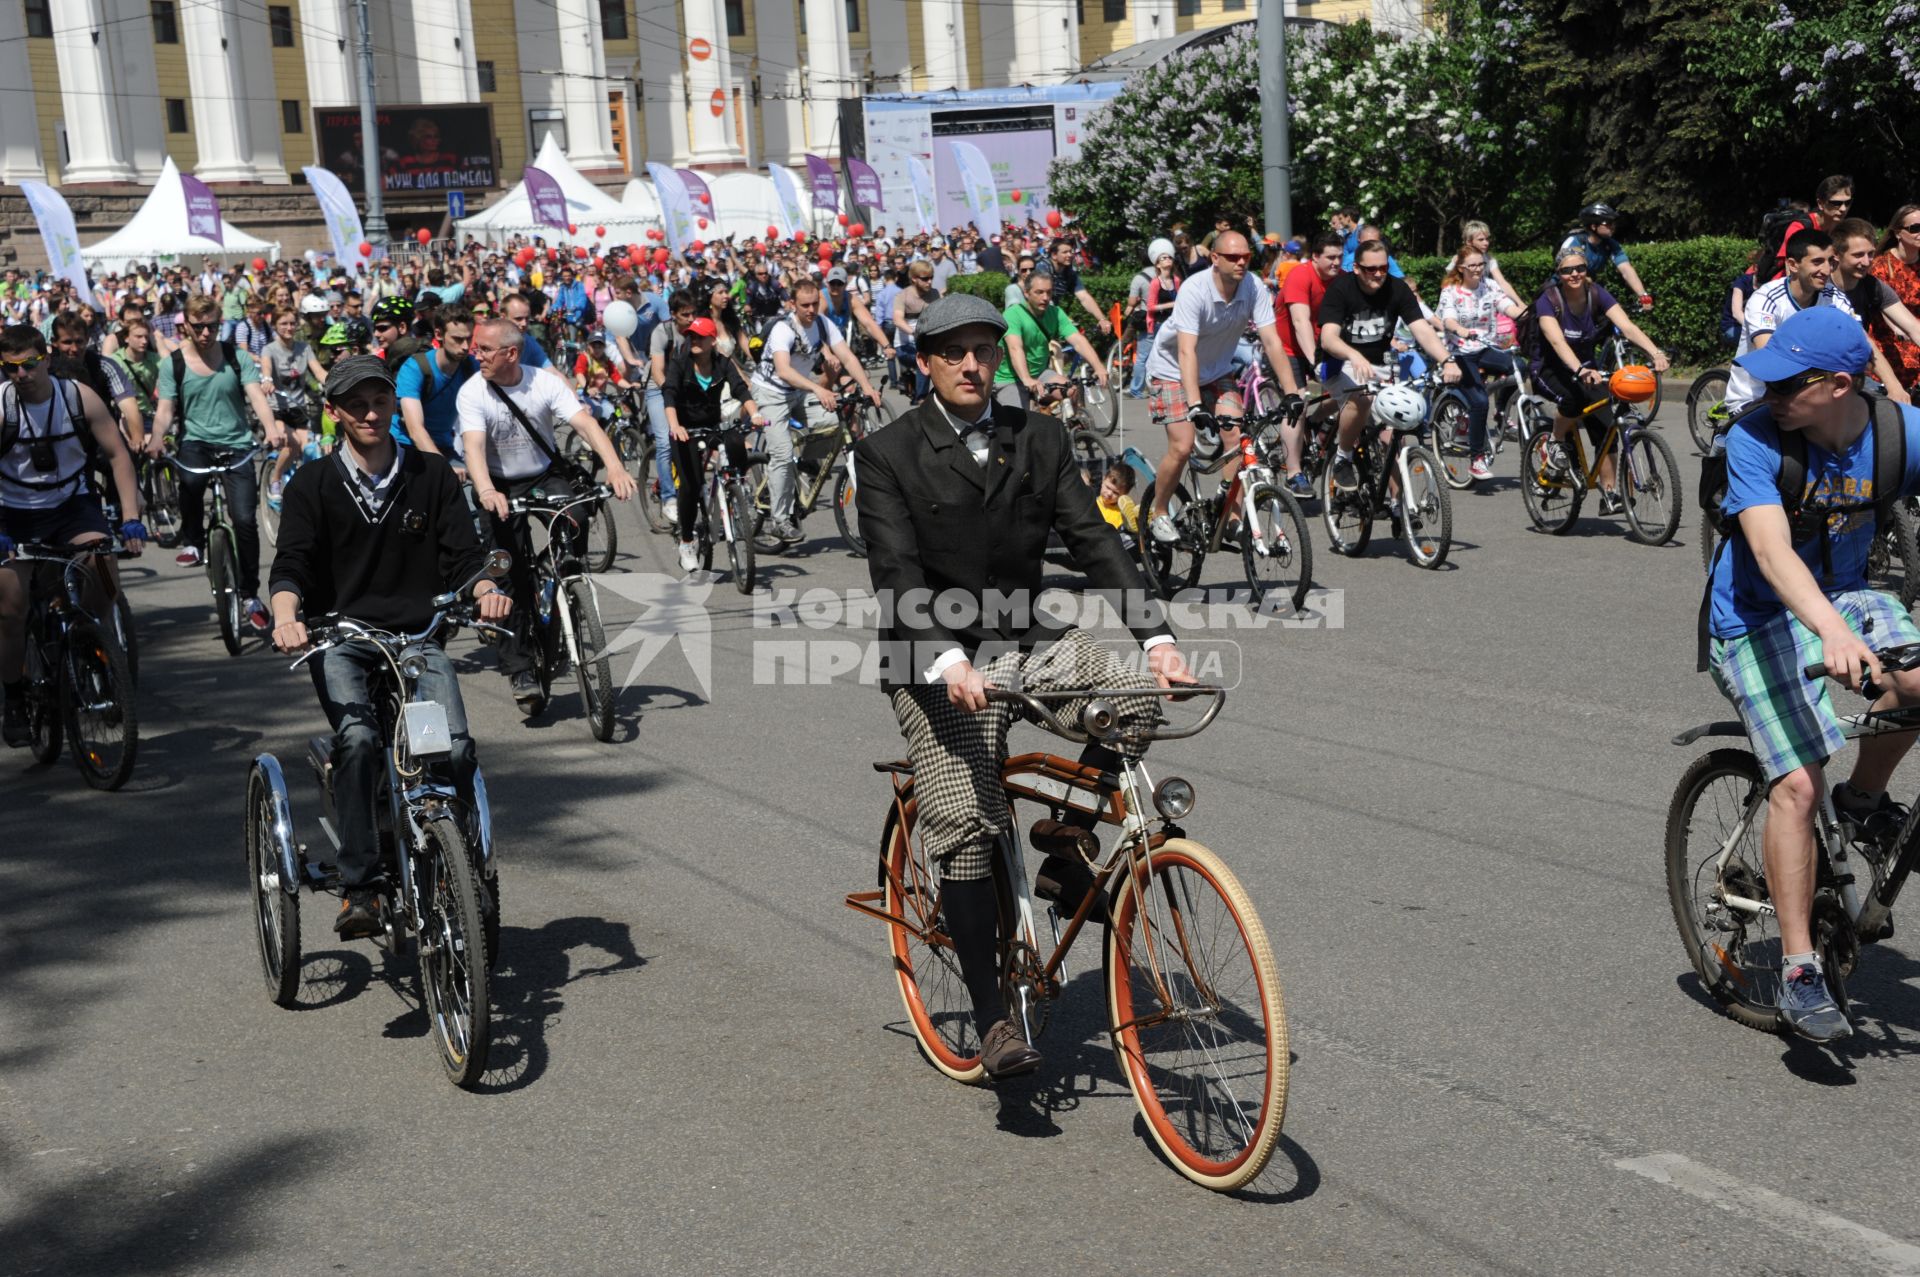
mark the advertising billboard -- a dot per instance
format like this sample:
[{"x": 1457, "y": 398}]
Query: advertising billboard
[{"x": 422, "y": 148}]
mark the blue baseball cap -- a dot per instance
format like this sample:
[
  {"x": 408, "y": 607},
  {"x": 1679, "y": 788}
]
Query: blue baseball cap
[{"x": 1817, "y": 339}]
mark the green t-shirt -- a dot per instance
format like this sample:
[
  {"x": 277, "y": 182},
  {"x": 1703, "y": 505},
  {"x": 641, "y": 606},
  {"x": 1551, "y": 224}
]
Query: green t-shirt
[
  {"x": 145, "y": 375},
  {"x": 1034, "y": 334},
  {"x": 233, "y": 303},
  {"x": 215, "y": 407}
]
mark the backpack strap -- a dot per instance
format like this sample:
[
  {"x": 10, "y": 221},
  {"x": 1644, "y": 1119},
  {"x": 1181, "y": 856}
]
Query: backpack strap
[
  {"x": 553, "y": 459},
  {"x": 1889, "y": 458},
  {"x": 1792, "y": 480}
]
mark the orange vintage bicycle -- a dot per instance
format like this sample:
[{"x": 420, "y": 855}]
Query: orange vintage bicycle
[{"x": 1194, "y": 1006}]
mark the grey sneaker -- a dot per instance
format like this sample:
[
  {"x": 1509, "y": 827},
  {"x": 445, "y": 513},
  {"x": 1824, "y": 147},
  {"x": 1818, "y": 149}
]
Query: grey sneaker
[
  {"x": 1809, "y": 1009},
  {"x": 1557, "y": 464},
  {"x": 784, "y": 531},
  {"x": 1345, "y": 477},
  {"x": 1006, "y": 1054}
]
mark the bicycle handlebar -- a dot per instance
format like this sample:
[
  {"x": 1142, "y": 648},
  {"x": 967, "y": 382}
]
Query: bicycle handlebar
[
  {"x": 556, "y": 504},
  {"x": 244, "y": 459},
  {"x": 1893, "y": 660},
  {"x": 1100, "y": 720},
  {"x": 322, "y": 638},
  {"x": 39, "y": 552}
]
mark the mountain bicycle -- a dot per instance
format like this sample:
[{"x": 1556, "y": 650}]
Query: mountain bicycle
[
  {"x": 846, "y": 486},
  {"x": 1424, "y": 518},
  {"x": 1099, "y": 405},
  {"x": 442, "y": 897},
  {"x": 634, "y": 446},
  {"x": 1707, "y": 414},
  {"x": 1193, "y": 999},
  {"x": 159, "y": 499},
  {"x": 1276, "y": 551},
  {"x": 1451, "y": 417},
  {"x": 1716, "y": 871},
  {"x": 725, "y": 513},
  {"x": 78, "y": 684},
  {"x": 1644, "y": 469},
  {"x": 818, "y": 453},
  {"x": 567, "y": 632},
  {"x": 223, "y": 550}
]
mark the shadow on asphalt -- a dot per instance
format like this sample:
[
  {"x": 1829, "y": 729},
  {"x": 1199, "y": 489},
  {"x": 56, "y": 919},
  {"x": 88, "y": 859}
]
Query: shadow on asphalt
[
  {"x": 112, "y": 1221},
  {"x": 535, "y": 966}
]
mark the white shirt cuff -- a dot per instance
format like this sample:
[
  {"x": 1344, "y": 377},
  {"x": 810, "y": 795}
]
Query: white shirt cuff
[
  {"x": 942, "y": 663},
  {"x": 1156, "y": 641}
]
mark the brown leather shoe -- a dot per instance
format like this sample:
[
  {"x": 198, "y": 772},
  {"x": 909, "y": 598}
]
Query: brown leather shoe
[{"x": 1006, "y": 1054}]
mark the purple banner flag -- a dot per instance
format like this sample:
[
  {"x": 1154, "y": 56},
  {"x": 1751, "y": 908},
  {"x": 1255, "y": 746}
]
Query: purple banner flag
[
  {"x": 826, "y": 190},
  {"x": 866, "y": 184},
  {"x": 546, "y": 199},
  {"x": 203, "y": 210},
  {"x": 697, "y": 192}
]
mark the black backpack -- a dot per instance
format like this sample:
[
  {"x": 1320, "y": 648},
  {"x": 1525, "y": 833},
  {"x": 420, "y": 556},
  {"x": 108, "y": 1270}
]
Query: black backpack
[
  {"x": 1805, "y": 522},
  {"x": 69, "y": 394}
]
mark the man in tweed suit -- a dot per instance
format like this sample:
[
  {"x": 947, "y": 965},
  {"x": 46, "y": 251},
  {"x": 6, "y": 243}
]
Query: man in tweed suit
[{"x": 957, "y": 498}]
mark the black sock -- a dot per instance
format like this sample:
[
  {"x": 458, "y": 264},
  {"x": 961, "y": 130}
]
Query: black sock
[{"x": 973, "y": 920}]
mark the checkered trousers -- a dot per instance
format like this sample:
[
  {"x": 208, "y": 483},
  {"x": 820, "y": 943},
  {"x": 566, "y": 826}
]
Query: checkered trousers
[{"x": 957, "y": 755}]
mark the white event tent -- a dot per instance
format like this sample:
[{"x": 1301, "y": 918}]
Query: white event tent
[
  {"x": 744, "y": 205},
  {"x": 588, "y": 207},
  {"x": 157, "y": 232}
]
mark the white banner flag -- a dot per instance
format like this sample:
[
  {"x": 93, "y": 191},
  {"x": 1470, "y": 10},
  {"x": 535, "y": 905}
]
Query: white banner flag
[
  {"x": 58, "y": 234},
  {"x": 976, "y": 179},
  {"x": 786, "y": 192},
  {"x": 342, "y": 218},
  {"x": 676, "y": 206},
  {"x": 924, "y": 207}
]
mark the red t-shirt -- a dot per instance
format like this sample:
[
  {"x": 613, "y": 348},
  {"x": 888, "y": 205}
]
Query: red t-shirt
[{"x": 1307, "y": 288}]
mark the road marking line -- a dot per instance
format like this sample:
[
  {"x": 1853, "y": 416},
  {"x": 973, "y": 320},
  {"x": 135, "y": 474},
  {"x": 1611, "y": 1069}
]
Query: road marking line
[{"x": 1885, "y": 1254}]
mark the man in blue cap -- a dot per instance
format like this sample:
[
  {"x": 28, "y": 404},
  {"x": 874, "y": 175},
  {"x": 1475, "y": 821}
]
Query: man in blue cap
[{"x": 1812, "y": 471}]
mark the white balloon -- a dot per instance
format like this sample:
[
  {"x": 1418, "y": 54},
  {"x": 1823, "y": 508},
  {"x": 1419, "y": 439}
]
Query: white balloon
[{"x": 620, "y": 319}]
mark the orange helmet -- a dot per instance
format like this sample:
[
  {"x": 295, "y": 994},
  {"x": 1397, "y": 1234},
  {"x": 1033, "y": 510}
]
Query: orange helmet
[{"x": 1634, "y": 383}]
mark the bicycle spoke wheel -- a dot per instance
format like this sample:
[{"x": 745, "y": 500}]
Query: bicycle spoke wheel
[
  {"x": 1651, "y": 489},
  {"x": 1450, "y": 441},
  {"x": 1170, "y": 566},
  {"x": 1426, "y": 510},
  {"x": 103, "y": 730},
  {"x": 1707, "y": 393},
  {"x": 1734, "y": 947},
  {"x": 1198, "y": 1022},
  {"x": 223, "y": 575},
  {"x": 276, "y": 909},
  {"x": 924, "y": 964},
  {"x": 603, "y": 540},
  {"x": 125, "y": 633},
  {"x": 163, "y": 503},
  {"x": 453, "y": 957},
  {"x": 1276, "y": 551},
  {"x": 593, "y": 671},
  {"x": 740, "y": 548},
  {"x": 1102, "y": 406},
  {"x": 1348, "y": 516},
  {"x": 846, "y": 516},
  {"x": 269, "y": 518},
  {"x": 44, "y": 719},
  {"x": 1090, "y": 453},
  {"x": 1553, "y": 501},
  {"x": 652, "y": 505}
]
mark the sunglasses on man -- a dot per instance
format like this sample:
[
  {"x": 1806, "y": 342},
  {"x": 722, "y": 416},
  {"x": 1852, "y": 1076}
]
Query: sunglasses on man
[{"x": 1792, "y": 386}]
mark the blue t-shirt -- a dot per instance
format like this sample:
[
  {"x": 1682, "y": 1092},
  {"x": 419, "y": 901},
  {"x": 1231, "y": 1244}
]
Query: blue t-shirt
[
  {"x": 436, "y": 400},
  {"x": 1742, "y": 599},
  {"x": 532, "y": 356},
  {"x": 1607, "y": 251}
]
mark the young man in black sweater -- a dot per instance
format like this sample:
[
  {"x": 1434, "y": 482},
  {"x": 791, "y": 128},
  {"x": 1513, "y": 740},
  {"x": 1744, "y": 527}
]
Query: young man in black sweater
[{"x": 373, "y": 532}]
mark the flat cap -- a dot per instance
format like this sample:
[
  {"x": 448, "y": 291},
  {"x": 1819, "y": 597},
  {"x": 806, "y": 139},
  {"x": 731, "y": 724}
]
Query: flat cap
[
  {"x": 355, "y": 370},
  {"x": 957, "y": 310}
]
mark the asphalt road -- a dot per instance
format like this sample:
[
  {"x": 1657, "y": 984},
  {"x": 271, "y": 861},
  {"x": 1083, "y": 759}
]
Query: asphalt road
[{"x": 1448, "y": 808}]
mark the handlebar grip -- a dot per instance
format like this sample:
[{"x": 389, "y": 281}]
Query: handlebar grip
[{"x": 1817, "y": 670}]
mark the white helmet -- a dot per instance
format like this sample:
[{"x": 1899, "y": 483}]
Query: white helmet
[
  {"x": 1162, "y": 247},
  {"x": 1399, "y": 406},
  {"x": 313, "y": 304}
]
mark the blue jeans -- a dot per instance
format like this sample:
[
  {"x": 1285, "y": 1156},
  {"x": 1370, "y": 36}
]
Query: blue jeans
[
  {"x": 662, "y": 441},
  {"x": 910, "y": 364},
  {"x": 1474, "y": 370},
  {"x": 343, "y": 678},
  {"x": 1142, "y": 347}
]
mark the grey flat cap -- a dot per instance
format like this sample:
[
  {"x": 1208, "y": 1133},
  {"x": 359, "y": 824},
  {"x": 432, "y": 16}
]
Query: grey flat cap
[
  {"x": 957, "y": 310},
  {"x": 355, "y": 370}
]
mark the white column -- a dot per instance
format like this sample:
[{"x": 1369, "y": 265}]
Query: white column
[
  {"x": 943, "y": 33},
  {"x": 583, "y": 89},
  {"x": 829, "y": 72},
  {"x": 443, "y": 35},
  {"x": 128, "y": 46},
  {"x": 19, "y": 116},
  {"x": 661, "y": 86},
  {"x": 97, "y": 147},
  {"x": 782, "y": 113},
  {"x": 230, "y": 71},
  {"x": 1152, "y": 19},
  {"x": 326, "y": 42},
  {"x": 712, "y": 140}
]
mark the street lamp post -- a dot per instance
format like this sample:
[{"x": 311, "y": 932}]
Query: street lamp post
[
  {"x": 376, "y": 226},
  {"x": 1275, "y": 164}
]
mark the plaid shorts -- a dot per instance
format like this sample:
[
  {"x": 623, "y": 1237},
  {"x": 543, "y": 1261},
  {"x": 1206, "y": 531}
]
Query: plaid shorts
[
  {"x": 1167, "y": 400},
  {"x": 1789, "y": 717}
]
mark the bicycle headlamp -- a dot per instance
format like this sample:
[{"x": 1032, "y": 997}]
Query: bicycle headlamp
[
  {"x": 1173, "y": 798},
  {"x": 415, "y": 668}
]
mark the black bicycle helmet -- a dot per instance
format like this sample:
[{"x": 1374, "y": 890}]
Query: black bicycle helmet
[
  {"x": 359, "y": 331},
  {"x": 394, "y": 310},
  {"x": 1598, "y": 212}
]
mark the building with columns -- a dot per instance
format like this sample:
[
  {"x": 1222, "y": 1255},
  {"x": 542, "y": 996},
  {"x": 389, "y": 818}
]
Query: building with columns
[{"x": 96, "y": 94}]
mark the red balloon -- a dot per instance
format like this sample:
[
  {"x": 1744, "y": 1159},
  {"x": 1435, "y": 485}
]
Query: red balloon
[
  {"x": 601, "y": 231},
  {"x": 634, "y": 250},
  {"x": 843, "y": 219},
  {"x": 579, "y": 250},
  {"x": 1053, "y": 218},
  {"x": 698, "y": 246},
  {"x": 259, "y": 263},
  {"x": 773, "y": 232},
  {"x": 424, "y": 235},
  {"x": 1016, "y": 195},
  {"x": 660, "y": 256},
  {"x": 799, "y": 237},
  {"x": 572, "y": 229},
  {"x": 857, "y": 229},
  {"x": 553, "y": 254},
  {"x": 366, "y": 249},
  {"x": 703, "y": 222}
]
